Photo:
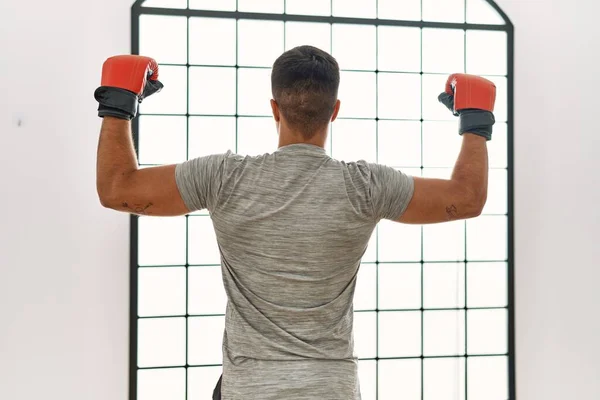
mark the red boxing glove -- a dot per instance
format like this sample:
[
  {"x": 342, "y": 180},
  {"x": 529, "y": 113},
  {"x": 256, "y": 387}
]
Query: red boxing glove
[
  {"x": 471, "y": 91},
  {"x": 472, "y": 98},
  {"x": 126, "y": 82}
]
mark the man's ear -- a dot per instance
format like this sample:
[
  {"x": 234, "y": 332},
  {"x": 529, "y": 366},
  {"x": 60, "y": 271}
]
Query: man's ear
[
  {"x": 276, "y": 112},
  {"x": 336, "y": 110}
]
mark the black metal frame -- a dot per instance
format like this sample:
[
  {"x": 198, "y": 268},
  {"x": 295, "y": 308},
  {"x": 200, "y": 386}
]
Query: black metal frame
[{"x": 138, "y": 10}]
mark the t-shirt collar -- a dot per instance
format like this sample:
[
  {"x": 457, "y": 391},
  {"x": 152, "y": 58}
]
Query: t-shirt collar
[{"x": 301, "y": 147}]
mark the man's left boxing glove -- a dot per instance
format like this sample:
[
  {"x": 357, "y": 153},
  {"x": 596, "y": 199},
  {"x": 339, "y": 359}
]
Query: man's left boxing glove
[{"x": 126, "y": 82}]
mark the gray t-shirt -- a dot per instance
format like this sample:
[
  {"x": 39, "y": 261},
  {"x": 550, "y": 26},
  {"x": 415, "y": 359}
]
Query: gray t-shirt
[{"x": 292, "y": 227}]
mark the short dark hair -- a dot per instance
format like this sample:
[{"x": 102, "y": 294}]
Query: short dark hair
[{"x": 305, "y": 82}]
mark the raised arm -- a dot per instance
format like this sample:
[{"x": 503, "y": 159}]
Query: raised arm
[
  {"x": 121, "y": 185},
  {"x": 464, "y": 195},
  {"x": 460, "y": 197}
]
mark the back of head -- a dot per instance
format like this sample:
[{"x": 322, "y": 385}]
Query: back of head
[{"x": 305, "y": 82}]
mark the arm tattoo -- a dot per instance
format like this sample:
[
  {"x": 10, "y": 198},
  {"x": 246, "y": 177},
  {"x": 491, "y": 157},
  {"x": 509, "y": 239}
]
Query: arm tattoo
[
  {"x": 452, "y": 212},
  {"x": 137, "y": 208}
]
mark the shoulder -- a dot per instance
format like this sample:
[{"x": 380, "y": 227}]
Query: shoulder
[{"x": 360, "y": 169}]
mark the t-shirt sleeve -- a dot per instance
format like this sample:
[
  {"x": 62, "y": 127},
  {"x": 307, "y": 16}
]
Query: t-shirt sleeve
[
  {"x": 199, "y": 181},
  {"x": 391, "y": 191}
]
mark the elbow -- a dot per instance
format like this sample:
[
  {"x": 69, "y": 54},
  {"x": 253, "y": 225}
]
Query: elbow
[
  {"x": 106, "y": 200},
  {"x": 473, "y": 211},
  {"x": 470, "y": 201},
  {"x": 107, "y": 196},
  {"x": 113, "y": 192},
  {"x": 475, "y": 202}
]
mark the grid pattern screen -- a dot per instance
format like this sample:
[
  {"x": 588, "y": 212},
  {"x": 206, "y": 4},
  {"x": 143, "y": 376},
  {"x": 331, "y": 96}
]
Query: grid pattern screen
[{"x": 432, "y": 304}]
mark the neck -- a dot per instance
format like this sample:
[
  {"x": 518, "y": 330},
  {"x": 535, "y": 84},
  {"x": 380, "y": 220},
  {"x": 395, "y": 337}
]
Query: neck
[{"x": 288, "y": 137}]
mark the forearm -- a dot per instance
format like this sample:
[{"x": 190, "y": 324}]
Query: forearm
[
  {"x": 116, "y": 158},
  {"x": 471, "y": 169}
]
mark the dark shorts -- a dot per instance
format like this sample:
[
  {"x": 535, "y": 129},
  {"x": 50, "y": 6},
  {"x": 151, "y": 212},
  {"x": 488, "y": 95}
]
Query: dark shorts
[{"x": 217, "y": 391}]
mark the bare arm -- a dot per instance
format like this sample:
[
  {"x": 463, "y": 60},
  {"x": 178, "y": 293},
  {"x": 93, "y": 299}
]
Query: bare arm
[
  {"x": 463, "y": 196},
  {"x": 122, "y": 186}
]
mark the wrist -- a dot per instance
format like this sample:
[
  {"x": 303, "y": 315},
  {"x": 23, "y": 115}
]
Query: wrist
[
  {"x": 109, "y": 119},
  {"x": 116, "y": 125},
  {"x": 471, "y": 137}
]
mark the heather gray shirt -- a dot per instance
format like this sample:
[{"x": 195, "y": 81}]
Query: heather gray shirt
[{"x": 292, "y": 227}]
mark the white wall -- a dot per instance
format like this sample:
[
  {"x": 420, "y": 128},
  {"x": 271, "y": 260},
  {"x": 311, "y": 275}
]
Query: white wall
[
  {"x": 63, "y": 259},
  {"x": 557, "y": 148}
]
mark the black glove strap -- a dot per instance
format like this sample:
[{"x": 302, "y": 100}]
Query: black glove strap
[
  {"x": 478, "y": 122},
  {"x": 116, "y": 102}
]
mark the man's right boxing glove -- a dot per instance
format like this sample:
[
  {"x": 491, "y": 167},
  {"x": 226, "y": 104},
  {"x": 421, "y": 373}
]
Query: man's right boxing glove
[
  {"x": 471, "y": 98},
  {"x": 126, "y": 81}
]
